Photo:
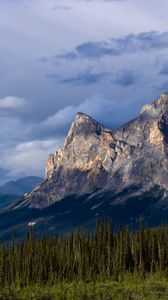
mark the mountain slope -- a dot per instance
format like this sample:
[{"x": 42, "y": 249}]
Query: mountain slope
[
  {"x": 10, "y": 191},
  {"x": 6, "y": 200},
  {"x": 20, "y": 186},
  {"x": 83, "y": 211}
]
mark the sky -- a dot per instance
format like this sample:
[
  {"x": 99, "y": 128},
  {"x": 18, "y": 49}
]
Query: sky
[{"x": 106, "y": 58}]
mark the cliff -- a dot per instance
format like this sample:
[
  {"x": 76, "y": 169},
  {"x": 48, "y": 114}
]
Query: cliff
[{"x": 95, "y": 160}]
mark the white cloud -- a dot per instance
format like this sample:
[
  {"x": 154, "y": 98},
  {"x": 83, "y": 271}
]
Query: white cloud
[
  {"x": 97, "y": 107},
  {"x": 103, "y": 110},
  {"x": 28, "y": 158},
  {"x": 11, "y": 102},
  {"x": 12, "y": 129}
]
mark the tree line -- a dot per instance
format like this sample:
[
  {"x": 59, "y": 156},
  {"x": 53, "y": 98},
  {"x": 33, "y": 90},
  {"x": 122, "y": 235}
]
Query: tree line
[{"x": 81, "y": 255}]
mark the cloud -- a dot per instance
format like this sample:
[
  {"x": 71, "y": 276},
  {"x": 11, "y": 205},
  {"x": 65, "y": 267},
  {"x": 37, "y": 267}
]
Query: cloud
[
  {"x": 85, "y": 78},
  {"x": 24, "y": 147},
  {"x": 125, "y": 78},
  {"x": 97, "y": 107},
  {"x": 61, "y": 7},
  {"x": 12, "y": 102},
  {"x": 122, "y": 77},
  {"x": 27, "y": 158},
  {"x": 131, "y": 43},
  {"x": 162, "y": 87},
  {"x": 13, "y": 130},
  {"x": 164, "y": 70},
  {"x": 89, "y": 50}
]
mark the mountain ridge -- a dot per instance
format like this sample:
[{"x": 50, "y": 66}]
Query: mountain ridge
[
  {"x": 20, "y": 186},
  {"x": 95, "y": 158}
]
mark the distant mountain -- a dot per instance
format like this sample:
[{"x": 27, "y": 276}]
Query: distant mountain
[
  {"x": 100, "y": 173},
  {"x": 20, "y": 186},
  {"x": 12, "y": 190},
  {"x": 6, "y": 200}
]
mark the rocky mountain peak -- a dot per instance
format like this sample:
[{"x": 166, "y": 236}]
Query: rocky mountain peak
[
  {"x": 82, "y": 147},
  {"x": 84, "y": 126},
  {"x": 85, "y": 119},
  {"x": 80, "y": 116},
  {"x": 94, "y": 158},
  {"x": 83, "y": 132},
  {"x": 158, "y": 107}
]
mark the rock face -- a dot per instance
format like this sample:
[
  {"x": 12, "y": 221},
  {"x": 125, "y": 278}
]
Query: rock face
[{"x": 95, "y": 160}]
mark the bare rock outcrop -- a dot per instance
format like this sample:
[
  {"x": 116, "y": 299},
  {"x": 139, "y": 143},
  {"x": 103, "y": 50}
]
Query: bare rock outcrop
[{"x": 95, "y": 159}]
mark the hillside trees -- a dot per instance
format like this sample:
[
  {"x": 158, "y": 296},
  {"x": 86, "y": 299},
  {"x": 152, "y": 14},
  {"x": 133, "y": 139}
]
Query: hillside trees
[{"x": 81, "y": 255}]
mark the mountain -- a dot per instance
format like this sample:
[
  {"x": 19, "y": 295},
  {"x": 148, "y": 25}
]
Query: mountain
[
  {"x": 20, "y": 186},
  {"x": 96, "y": 160},
  {"x": 10, "y": 191},
  {"x": 6, "y": 200},
  {"x": 100, "y": 172}
]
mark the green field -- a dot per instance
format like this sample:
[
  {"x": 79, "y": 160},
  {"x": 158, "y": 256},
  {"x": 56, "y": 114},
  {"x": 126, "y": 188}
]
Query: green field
[{"x": 130, "y": 289}]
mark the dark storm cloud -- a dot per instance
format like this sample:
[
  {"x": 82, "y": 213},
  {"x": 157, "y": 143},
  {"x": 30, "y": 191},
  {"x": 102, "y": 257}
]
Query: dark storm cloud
[
  {"x": 85, "y": 78},
  {"x": 131, "y": 43},
  {"x": 125, "y": 78},
  {"x": 68, "y": 55}
]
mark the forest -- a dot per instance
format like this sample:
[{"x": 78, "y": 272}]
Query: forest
[{"x": 82, "y": 257}]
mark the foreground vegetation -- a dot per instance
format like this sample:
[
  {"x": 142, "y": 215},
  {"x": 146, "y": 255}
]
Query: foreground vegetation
[
  {"x": 128, "y": 289},
  {"x": 80, "y": 265}
]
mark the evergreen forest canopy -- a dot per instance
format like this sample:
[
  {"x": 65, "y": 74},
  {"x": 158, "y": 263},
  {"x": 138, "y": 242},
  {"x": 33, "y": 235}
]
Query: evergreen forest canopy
[{"x": 85, "y": 256}]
